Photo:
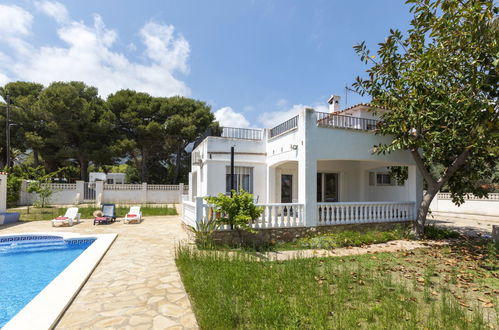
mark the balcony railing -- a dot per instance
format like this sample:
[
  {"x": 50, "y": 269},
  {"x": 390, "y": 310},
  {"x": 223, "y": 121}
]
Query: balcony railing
[
  {"x": 325, "y": 119},
  {"x": 242, "y": 133},
  {"x": 233, "y": 133},
  {"x": 284, "y": 127}
]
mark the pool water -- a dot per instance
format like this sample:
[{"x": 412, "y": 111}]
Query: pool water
[{"x": 28, "y": 264}]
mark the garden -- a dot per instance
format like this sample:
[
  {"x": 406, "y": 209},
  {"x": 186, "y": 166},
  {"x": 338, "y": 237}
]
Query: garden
[{"x": 455, "y": 286}]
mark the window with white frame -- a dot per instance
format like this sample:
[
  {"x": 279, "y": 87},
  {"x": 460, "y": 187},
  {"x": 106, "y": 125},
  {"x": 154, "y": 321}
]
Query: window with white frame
[
  {"x": 383, "y": 179},
  {"x": 243, "y": 179}
]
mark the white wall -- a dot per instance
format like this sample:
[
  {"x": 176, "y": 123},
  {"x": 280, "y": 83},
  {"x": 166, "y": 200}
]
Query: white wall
[
  {"x": 479, "y": 206},
  {"x": 386, "y": 193},
  {"x": 116, "y": 193},
  {"x": 3, "y": 192}
]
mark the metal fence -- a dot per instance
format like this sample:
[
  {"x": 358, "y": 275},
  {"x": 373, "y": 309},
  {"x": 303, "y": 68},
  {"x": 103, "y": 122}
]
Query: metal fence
[
  {"x": 325, "y": 119},
  {"x": 242, "y": 133},
  {"x": 284, "y": 127}
]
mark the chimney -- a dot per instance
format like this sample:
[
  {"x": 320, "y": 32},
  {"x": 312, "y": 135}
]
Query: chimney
[{"x": 334, "y": 103}]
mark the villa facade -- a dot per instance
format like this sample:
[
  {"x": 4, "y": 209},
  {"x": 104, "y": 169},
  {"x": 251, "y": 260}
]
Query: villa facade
[{"x": 313, "y": 169}]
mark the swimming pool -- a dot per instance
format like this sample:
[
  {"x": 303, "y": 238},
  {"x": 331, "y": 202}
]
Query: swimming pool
[
  {"x": 40, "y": 273},
  {"x": 28, "y": 264}
]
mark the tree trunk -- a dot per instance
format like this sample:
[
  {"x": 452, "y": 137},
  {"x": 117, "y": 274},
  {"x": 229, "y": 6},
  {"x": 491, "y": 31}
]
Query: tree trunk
[
  {"x": 84, "y": 170},
  {"x": 36, "y": 158},
  {"x": 423, "y": 211},
  {"x": 178, "y": 160},
  {"x": 143, "y": 167}
]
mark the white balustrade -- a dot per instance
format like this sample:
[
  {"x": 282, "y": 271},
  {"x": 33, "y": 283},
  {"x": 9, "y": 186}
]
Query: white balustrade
[
  {"x": 364, "y": 212},
  {"x": 276, "y": 215},
  {"x": 471, "y": 197},
  {"x": 189, "y": 213}
]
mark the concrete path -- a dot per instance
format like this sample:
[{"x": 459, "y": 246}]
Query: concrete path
[
  {"x": 467, "y": 226},
  {"x": 136, "y": 285}
]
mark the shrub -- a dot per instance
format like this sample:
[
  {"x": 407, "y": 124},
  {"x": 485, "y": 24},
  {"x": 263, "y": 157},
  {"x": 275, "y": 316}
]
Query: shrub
[{"x": 237, "y": 210}]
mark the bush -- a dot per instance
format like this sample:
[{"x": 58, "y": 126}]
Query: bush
[
  {"x": 237, "y": 210},
  {"x": 13, "y": 190}
]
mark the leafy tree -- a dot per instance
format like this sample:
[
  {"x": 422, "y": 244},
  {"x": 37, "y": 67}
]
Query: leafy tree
[
  {"x": 23, "y": 95},
  {"x": 41, "y": 186},
  {"x": 188, "y": 119},
  {"x": 440, "y": 83},
  {"x": 76, "y": 125},
  {"x": 140, "y": 124}
]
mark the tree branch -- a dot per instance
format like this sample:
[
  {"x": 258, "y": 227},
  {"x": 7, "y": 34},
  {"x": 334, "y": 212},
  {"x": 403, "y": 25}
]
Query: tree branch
[
  {"x": 419, "y": 163},
  {"x": 456, "y": 164}
]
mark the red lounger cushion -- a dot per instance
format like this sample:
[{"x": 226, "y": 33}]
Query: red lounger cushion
[
  {"x": 61, "y": 218},
  {"x": 101, "y": 218},
  {"x": 131, "y": 215}
]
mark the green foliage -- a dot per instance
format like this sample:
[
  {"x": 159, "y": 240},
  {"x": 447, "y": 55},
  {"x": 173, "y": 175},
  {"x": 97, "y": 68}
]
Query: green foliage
[
  {"x": 68, "y": 125},
  {"x": 237, "y": 211},
  {"x": 232, "y": 290},
  {"x": 400, "y": 173},
  {"x": 343, "y": 239},
  {"x": 41, "y": 187},
  {"x": 438, "y": 233},
  {"x": 203, "y": 233},
  {"x": 440, "y": 84},
  {"x": 13, "y": 189}
]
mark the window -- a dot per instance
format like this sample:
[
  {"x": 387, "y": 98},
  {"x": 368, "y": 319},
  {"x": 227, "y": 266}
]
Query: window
[
  {"x": 243, "y": 179},
  {"x": 384, "y": 179}
]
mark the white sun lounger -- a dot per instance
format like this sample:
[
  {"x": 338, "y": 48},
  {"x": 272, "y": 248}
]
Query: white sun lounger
[
  {"x": 69, "y": 218},
  {"x": 134, "y": 215}
]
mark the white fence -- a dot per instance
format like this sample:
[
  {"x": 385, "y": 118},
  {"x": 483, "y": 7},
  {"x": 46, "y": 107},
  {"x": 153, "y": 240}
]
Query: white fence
[
  {"x": 365, "y": 212},
  {"x": 77, "y": 193},
  {"x": 286, "y": 215},
  {"x": 473, "y": 205}
]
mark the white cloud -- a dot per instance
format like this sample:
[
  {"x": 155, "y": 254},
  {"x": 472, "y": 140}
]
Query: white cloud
[
  {"x": 274, "y": 118},
  {"x": 89, "y": 56},
  {"x": 54, "y": 9},
  {"x": 14, "y": 21},
  {"x": 226, "y": 116}
]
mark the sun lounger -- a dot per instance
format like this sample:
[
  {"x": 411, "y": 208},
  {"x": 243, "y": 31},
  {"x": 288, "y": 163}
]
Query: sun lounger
[
  {"x": 71, "y": 216},
  {"x": 134, "y": 215},
  {"x": 108, "y": 214}
]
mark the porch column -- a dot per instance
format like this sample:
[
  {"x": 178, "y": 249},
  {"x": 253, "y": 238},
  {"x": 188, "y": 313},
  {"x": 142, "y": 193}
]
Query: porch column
[
  {"x": 415, "y": 182},
  {"x": 307, "y": 166},
  {"x": 271, "y": 184}
]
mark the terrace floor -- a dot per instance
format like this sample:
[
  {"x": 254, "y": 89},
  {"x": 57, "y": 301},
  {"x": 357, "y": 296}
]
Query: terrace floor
[{"x": 136, "y": 285}]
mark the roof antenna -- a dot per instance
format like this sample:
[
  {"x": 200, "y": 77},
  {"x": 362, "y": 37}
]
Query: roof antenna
[
  {"x": 347, "y": 90},
  {"x": 346, "y": 97}
]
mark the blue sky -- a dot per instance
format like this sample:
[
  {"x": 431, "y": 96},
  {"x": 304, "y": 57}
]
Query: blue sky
[{"x": 255, "y": 62}]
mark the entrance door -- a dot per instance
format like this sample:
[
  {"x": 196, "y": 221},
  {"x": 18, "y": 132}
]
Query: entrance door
[
  {"x": 286, "y": 188},
  {"x": 327, "y": 187}
]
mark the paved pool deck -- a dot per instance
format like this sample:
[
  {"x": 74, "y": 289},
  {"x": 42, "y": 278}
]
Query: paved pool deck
[{"x": 136, "y": 285}]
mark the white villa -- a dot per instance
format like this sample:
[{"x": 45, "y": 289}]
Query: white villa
[{"x": 313, "y": 169}]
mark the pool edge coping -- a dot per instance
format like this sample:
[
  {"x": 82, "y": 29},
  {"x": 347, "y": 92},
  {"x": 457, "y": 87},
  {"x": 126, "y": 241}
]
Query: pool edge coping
[{"x": 48, "y": 306}]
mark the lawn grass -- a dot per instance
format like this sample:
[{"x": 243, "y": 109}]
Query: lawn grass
[
  {"x": 49, "y": 213},
  {"x": 342, "y": 239},
  {"x": 434, "y": 288}
]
